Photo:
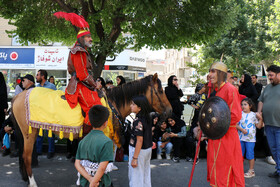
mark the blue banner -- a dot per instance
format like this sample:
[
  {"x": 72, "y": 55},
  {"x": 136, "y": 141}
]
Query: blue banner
[{"x": 17, "y": 58}]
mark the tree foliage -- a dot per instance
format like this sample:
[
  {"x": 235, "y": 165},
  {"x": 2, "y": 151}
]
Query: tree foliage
[
  {"x": 118, "y": 24},
  {"x": 247, "y": 43}
]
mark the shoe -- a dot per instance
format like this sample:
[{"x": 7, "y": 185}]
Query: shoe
[
  {"x": 39, "y": 154},
  {"x": 14, "y": 154},
  {"x": 176, "y": 159},
  {"x": 50, "y": 155},
  {"x": 249, "y": 174},
  {"x": 68, "y": 155},
  {"x": 273, "y": 175},
  {"x": 278, "y": 179},
  {"x": 6, "y": 152},
  {"x": 168, "y": 156},
  {"x": 197, "y": 161},
  {"x": 114, "y": 168},
  {"x": 188, "y": 159},
  {"x": 270, "y": 160},
  {"x": 159, "y": 157}
]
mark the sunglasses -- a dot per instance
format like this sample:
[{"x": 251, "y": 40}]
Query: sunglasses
[
  {"x": 175, "y": 79},
  {"x": 98, "y": 80}
]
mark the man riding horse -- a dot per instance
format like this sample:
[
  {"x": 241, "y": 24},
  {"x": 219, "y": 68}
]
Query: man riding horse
[{"x": 82, "y": 87}]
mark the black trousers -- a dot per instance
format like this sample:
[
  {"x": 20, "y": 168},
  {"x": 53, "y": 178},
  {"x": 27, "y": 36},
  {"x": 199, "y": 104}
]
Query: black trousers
[{"x": 177, "y": 142}]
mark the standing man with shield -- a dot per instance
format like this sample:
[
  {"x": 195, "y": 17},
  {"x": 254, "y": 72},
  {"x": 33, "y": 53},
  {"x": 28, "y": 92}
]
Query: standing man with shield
[{"x": 224, "y": 157}]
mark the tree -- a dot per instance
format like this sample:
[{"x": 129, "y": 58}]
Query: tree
[
  {"x": 274, "y": 29},
  {"x": 117, "y": 24},
  {"x": 245, "y": 44}
]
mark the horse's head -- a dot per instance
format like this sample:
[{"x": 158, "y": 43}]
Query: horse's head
[{"x": 157, "y": 97}]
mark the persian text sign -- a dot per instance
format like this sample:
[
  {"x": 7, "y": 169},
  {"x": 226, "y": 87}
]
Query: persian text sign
[
  {"x": 51, "y": 58},
  {"x": 16, "y": 58}
]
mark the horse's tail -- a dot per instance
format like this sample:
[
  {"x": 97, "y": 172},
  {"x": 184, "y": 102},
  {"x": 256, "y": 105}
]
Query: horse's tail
[{"x": 20, "y": 141}]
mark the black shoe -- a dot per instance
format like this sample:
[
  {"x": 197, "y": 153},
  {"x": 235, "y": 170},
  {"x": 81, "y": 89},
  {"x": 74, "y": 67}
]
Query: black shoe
[
  {"x": 274, "y": 175},
  {"x": 188, "y": 159},
  {"x": 197, "y": 161},
  {"x": 39, "y": 154},
  {"x": 14, "y": 154},
  {"x": 50, "y": 155},
  {"x": 6, "y": 152},
  {"x": 176, "y": 159},
  {"x": 68, "y": 155},
  {"x": 278, "y": 179}
]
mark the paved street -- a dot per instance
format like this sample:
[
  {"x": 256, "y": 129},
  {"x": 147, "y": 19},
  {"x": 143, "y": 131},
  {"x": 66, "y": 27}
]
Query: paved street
[{"x": 61, "y": 172}]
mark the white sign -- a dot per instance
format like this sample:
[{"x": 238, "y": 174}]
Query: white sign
[
  {"x": 51, "y": 58},
  {"x": 129, "y": 58}
]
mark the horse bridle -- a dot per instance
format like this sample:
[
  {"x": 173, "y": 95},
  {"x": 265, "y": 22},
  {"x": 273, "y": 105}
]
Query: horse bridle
[{"x": 156, "y": 92}]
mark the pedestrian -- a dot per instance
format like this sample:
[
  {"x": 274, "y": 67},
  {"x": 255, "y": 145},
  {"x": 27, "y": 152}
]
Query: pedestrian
[
  {"x": 248, "y": 89},
  {"x": 173, "y": 94},
  {"x": 140, "y": 144},
  {"x": 120, "y": 80},
  {"x": 18, "y": 88},
  {"x": 95, "y": 151},
  {"x": 261, "y": 140},
  {"x": 269, "y": 105},
  {"x": 257, "y": 85},
  {"x": 196, "y": 101},
  {"x": 41, "y": 79},
  {"x": 4, "y": 98},
  {"x": 230, "y": 77},
  {"x": 247, "y": 132},
  {"x": 51, "y": 79},
  {"x": 224, "y": 155},
  {"x": 109, "y": 84}
]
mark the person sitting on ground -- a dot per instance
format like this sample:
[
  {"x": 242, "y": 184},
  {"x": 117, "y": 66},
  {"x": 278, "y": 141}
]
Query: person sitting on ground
[
  {"x": 177, "y": 133},
  {"x": 95, "y": 151},
  {"x": 155, "y": 124},
  {"x": 163, "y": 140}
]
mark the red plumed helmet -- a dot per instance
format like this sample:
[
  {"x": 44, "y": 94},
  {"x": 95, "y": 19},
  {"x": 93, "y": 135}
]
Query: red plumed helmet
[{"x": 76, "y": 20}]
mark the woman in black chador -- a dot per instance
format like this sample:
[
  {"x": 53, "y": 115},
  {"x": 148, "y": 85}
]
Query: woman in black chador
[{"x": 174, "y": 93}]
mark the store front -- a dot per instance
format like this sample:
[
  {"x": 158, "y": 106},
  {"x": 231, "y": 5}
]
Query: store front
[
  {"x": 129, "y": 64},
  {"x": 16, "y": 62}
]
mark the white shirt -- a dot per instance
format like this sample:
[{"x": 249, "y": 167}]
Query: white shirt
[{"x": 248, "y": 122}]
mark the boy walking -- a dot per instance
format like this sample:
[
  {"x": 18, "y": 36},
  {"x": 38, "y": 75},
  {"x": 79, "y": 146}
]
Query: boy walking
[{"x": 95, "y": 151}]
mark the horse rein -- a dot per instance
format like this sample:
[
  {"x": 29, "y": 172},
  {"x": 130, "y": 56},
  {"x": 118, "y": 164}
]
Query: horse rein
[
  {"x": 116, "y": 113},
  {"x": 156, "y": 93}
]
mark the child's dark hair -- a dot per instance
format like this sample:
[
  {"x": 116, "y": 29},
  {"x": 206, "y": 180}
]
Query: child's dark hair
[
  {"x": 142, "y": 102},
  {"x": 250, "y": 103},
  {"x": 98, "y": 115}
]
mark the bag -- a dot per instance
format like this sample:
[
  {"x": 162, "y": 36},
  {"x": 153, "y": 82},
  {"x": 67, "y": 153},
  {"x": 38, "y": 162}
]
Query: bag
[
  {"x": 119, "y": 155},
  {"x": 6, "y": 141}
]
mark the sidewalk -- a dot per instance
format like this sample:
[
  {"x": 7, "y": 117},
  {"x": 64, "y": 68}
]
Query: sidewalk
[{"x": 61, "y": 172}]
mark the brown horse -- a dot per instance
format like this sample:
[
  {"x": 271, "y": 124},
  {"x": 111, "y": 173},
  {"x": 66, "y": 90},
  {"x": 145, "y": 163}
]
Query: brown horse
[{"x": 120, "y": 97}]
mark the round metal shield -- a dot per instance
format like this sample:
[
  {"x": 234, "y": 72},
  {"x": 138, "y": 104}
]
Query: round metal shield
[{"x": 214, "y": 118}]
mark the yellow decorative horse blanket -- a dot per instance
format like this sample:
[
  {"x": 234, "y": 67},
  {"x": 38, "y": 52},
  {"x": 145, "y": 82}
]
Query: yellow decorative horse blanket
[{"x": 47, "y": 110}]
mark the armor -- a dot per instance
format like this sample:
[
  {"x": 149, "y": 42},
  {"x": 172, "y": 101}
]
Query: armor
[{"x": 214, "y": 118}]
